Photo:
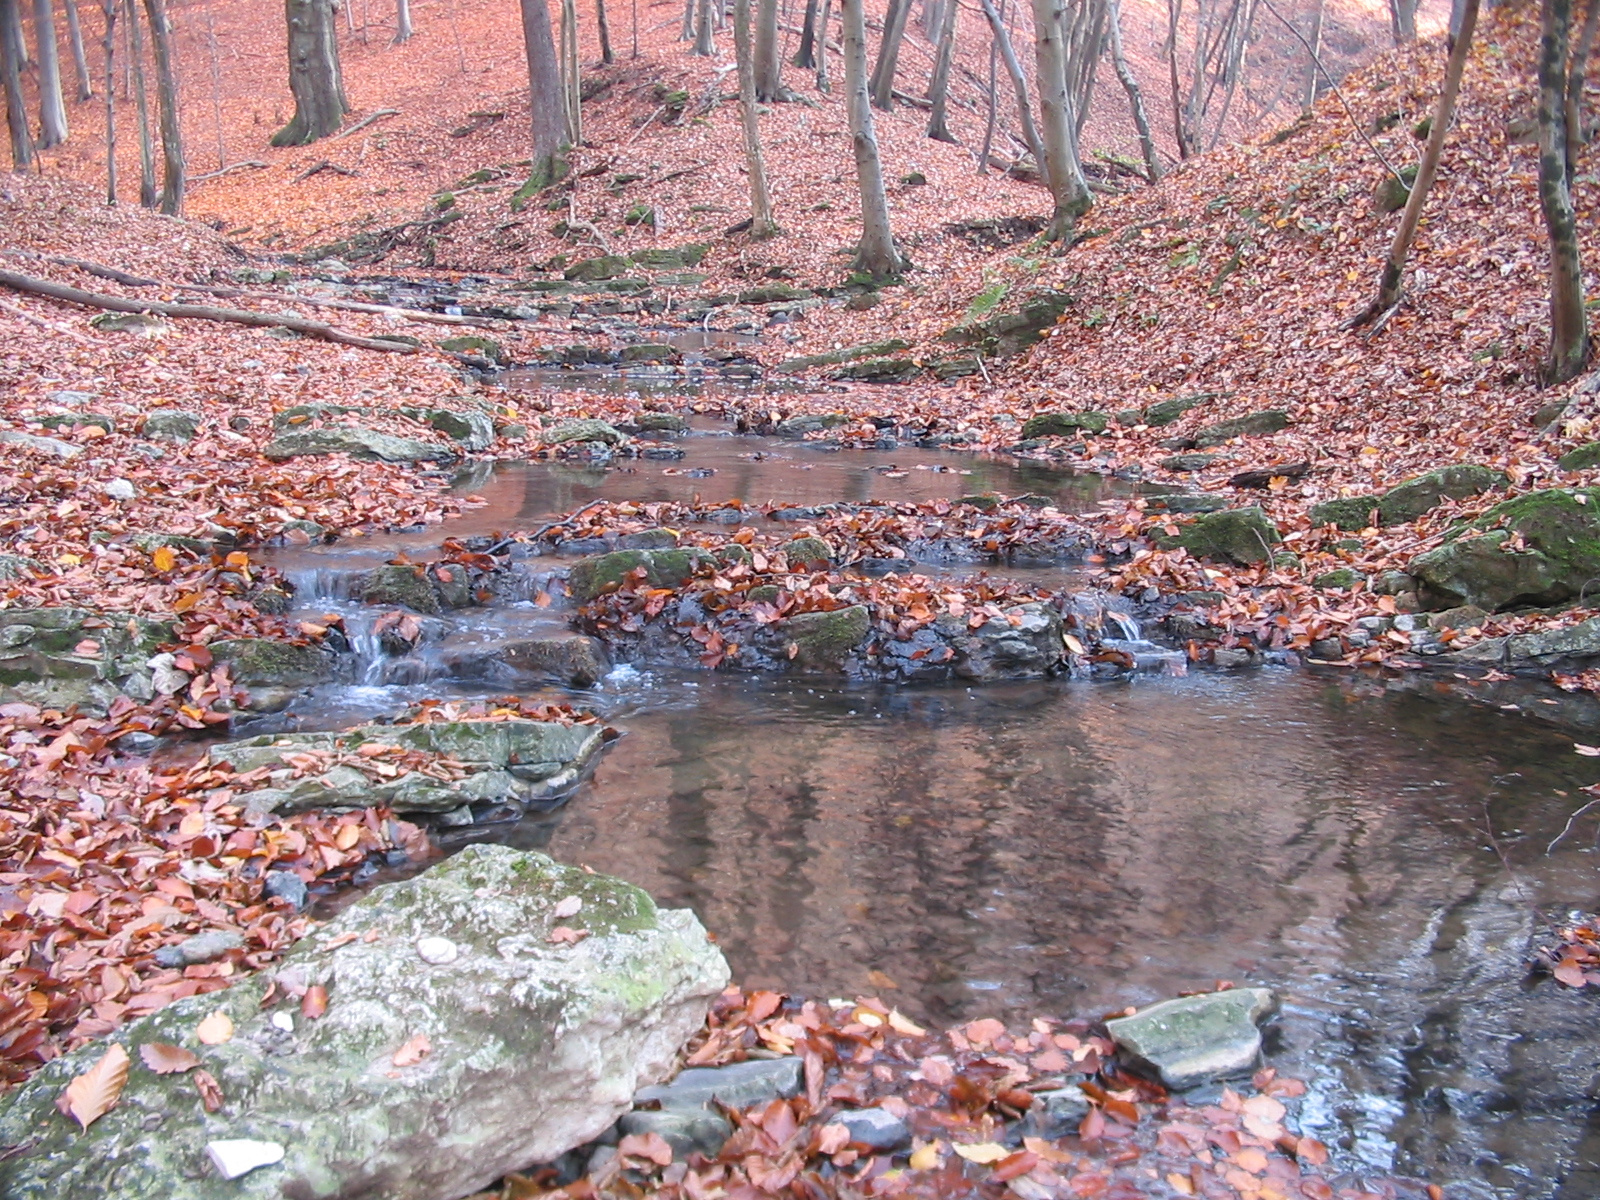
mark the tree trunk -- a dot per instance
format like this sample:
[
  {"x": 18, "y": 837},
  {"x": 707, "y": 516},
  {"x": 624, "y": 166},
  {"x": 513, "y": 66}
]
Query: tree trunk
[
  {"x": 52, "y": 108},
  {"x": 704, "y": 45},
  {"x": 549, "y": 126},
  {"x": 603, "y": 27},
  {"x": 894, "y": 29},
  {"x": 1569, "y": 328},
  {"x": 994, "y": 104},
  {"x": 141, "y": 96},
  {"x": 1389, "y": 288},
  {"x": 806, "y": 55},
  {"x": 108, "y": 9},
  {"x": 571, "y": 73},
  {"x": 1308, "y": 92},
  {"x": 1019, "y": 84},
  {"x": 80, "y": 60},
  {"x": 173, "y": 167},
  {"x": 1576, "y": 78},
  {"x": 314, "y": 75},
  {"x": 875, "y": 255},
  {"x": 402, "y": 22},
  {"x": 11, "y": 77},
  {"x": 761, "y": 222},
  {"x": 822, "y": 47},
  {"x": 768, "y": 64},
  {"x": 1130, "y": 84},
  {"x": 939, "y": 88},
  {"x": 1058, "y": 125},
  {"x": 1403, "y": 21},
  {"x": 690, "y": 8}
]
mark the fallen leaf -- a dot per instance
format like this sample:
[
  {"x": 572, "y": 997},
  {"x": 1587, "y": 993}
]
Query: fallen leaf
[
  {"x": 904, "y": 1024},
  {"x": 91, "y": 1095},
  {"x": 210, "y": 1090},
  {"x": 315, "y": 1002},
  {"x": 413, "y": 1051},
  {"x": 215, "y": 1029},
  {"x": 166, "y": 1059},
  {"x": 562, "y": 935},
  {"x": 928, "y": 1157},
  {"x": 570, "y": 907},
  {"x": 651, "y": 1146},
  {"x": 982, "y": 1152}
]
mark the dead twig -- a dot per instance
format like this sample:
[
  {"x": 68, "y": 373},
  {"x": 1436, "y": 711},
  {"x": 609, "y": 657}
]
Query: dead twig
[
  {"x": 318, "y": 168},
  {"x": 364, "y": 122},
  {"x": 251, "y": 165}
]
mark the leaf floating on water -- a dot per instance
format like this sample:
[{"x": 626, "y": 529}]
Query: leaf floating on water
[
  {"x": 879, "y": 980},
  {"x": 570, "y": 907},
  {"x": 1586, "y": 751},
  {"x": 93, "y": 1094},
  {"x": 904, "y": 1024},
  {"x": 413, "y": 1051},
  {"x": 166, "y": 1059},
  {"x": 1570, "y": 973},
  {"x": 215, "y": 1029}
]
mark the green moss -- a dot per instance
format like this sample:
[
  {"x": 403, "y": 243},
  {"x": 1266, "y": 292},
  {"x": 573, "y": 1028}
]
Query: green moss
[
  {"x": 1065, "y": 424},
  {"x": 591, "y": 577}
]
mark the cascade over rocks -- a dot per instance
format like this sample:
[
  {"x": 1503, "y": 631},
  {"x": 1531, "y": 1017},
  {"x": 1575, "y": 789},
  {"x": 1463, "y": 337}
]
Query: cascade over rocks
[{"x": 459, "y": 1043}]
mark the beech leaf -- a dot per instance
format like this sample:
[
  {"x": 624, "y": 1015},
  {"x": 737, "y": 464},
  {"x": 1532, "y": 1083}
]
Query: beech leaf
[
  {"x": 166, "y": 1059},
  {"x": 93, "y": 1094}
]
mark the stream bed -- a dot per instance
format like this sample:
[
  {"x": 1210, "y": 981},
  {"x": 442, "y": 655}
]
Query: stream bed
[{"x": 1072, "y": 847}]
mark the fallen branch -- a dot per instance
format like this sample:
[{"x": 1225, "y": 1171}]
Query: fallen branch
[
  {"x": 365, "y": 121},
  {"x": 47, "y": 326},
  {"x": 317, "y": 168},
  {"x": 199, "y": 312},
  {"x": 251, "y": 165}
]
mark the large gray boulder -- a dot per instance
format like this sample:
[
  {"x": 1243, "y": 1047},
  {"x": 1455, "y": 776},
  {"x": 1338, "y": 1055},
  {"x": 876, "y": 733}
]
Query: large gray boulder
[
  {"x": 1025, "y": 644},
  {"x": 1542, "y": 548},
  {"x": 1196, "y": 1039},
  {"x": 57, "y": 657},
  {"x": 358, "y": 443},
  {"x": 460, "y": 1042},
  {"x": 1241, "y": 535}
]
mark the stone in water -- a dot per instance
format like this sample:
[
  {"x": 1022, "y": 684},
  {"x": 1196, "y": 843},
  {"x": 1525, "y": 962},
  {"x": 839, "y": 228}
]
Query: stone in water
[{"x": 1195, "y": 1039}]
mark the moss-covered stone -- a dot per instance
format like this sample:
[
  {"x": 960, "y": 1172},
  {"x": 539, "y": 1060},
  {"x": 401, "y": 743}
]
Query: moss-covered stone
[
  {"x": 604, "y": 266},
  {"x": 649, "y": 352},
  {"x": 76, "y": 420},
  {"x": 808, "y": 553},
  {"x": 1188, "y": 462},
  {"x": 1241, "y": 535},
  {"x": 1584, "y": 458},
  {"x": 822, "y": 641},
  {"x": 171, "y": 425},
  {"x": 266, "y": 662},
  {"x": 794, "y": 366},
  {"x": 1394, "y": 190},
  {"x": 659, "y": 422},
  {"x": 773, "y": 293},
  {"x": 473, "y": 429},
  {"x": 583, "y": 430},
  {"x": 358, "y": 443},
  {"x": 1347, "y": 512},
  {"x": 1415, "y": 497},
  {"x": 663, "y": 258},
  {"x": 16, "y": 566},
  {"x": 1165, "y": 412},
  {"x": 1065, "y": 424},
  {"x": 1556, "y": 559},
  {"x": 474, "y": 344},
  {"x": 798, "y": 427},
  {"x": 590, "y": 577},
  {"x": 1339, "y": 577},
  {"x": 765, "y": 593},
  {"x": 880, "y": 370},
  {"x": 406, "y": 586},
  {"x": 1002, "y": 328},
  {"x": 1254, "y": 424}
]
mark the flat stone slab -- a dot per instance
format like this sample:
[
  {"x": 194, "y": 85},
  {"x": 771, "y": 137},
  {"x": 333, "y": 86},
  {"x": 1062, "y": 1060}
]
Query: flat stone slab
[
  {"x": 738, "y": 1085},
  {"x": 1196, "y": 1039}
]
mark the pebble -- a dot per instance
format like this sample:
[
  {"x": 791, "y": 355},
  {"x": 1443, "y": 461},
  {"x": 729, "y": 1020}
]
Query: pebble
[
  {"x": 286, "y": 885},
  {"x": 120, "y": 489},
  {"x": 234, "y": 1157},
  {"x": 875, "y": 1128},
  {"x": 437, "y": 950}
]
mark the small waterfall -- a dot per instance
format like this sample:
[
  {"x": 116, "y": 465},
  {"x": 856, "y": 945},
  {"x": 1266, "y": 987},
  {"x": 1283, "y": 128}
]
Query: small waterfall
[{"x": 1126, "y": 625}]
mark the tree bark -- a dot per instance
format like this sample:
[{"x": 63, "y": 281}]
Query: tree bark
[
  {"x": 173, "y": 167},
  {"x": 994, "y": 102},
  {"x": 549, "y": 124},
  {"x": 402, "y": 22},
  {"x": 80, "y": 60},
  {"x": 939, "y": 88},
  {"x": 1308, "y": 92},
  {"x": 704, "y": 45},
  {"x": 806, "y": 55},
  {"x": 108, "y": 9},
  {"x": 894, "y": 29},
  {"x": 761, "y": 223},
  {"x": 315, "y": 77},
  {"x": 1576, "y": 78},
  {"x": 571, "y": 73},
  {"x": 768, "y": 64},
  {"x": 1403, "y": 21},
  {"x": 1389, "y": 285},
  {"x": 1019, "y": 84},
  {"x": 822, "y": 47},
  {"x": 52, "y": 108},
  {"x": 1130, "y": 84},
  {"x": 603, "y": 27},
  {"x": 1569, "y": 327},
  {"x": 1058, "y": 125},
  {"x": 875, "y": 255},
  {"x": 11, "y": 78},
  {"x": 141, "y": 96}
]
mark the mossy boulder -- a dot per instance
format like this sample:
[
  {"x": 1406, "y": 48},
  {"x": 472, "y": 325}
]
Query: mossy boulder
[
  {"x": 171, "y": 425},
  {"x": 1416, "y": 497},
  {"x": 1065, "y": 424},
  {"x": 358, "y": 443},
  {"x": 1394, "y": 190},
  {"x": 807, "y": 553},
  {"x": 658, "y": 422},
  {"x": 473, "y": 429},
  {"x": 1584, "y": 458},
  {"x": 461, "y": 1041},
  {"x": 1339, "y": 577},
  {"x": 474, "y": 344},
  {"x": 59, "y": 657},
  {"x": 1196, "y": 1039},
  {"x": 1254, "y": 424},
  {"x": 823, "y": 641},
  {"x": 794, "y": 366},
  {"x": 584, "y": 430},
  {"x": 1347, "y": 512},
  {"x": 649, "y": 352},
  {"x": 880, "y": 370},
  {"x": 16, "y": 566},
  {"x": 402, "y": 585},
  {"x": 798, "y": 427},
  {"x": 590, "y": 270},
  {"x": 266, "y": 662},
  {"x": 1165, "y": 412},
  {"x": 1239, "y": 535},
  {"x": 590, "y": 577},
  {"x": 664, "y": 258},
  {"x": 773, "y": 293},
  {"x": 1188, "y": 462},
  {"x": 1005, "y": 326},
  {"x": 1555, "y": 558}
]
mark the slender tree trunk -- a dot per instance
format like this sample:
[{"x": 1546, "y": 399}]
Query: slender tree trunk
[
  {"x": 315, "y": 77},
  {"x": 761, "y": 222},
  {"x": 704, "y": 45},
  {"x": 894, "y": 29},
  {"x": 80, "y": 60},
  {"x": 549, "y": 145},
  {"x": 108, "y": 9},
  {"x": 1403, "y": 21},
  {"x": 806, "y": 56},
  {"x": 402, "y": 22},
  {"x": 768, "y": 63},
  {"x": 1576, "y": 78},
  {"x": 52, "y": 108},
  {"x": 939, "y": 88},
  {"x": 603, "y": 27},
  {"x": 822, "y": 47},
  {"x": 11, "y": 78},
  {"x": 633, "y": 7},
  {"x": 875, "y": 255},
  {"x": 1058, "y": 126},
  {"x": 571, "y": 72},
  {"x": 1308, "y": 91},
  {"x": 174, "y": 169},
  {"x": 690, "y": 8},
  {"x": 141, "y": 96},
  {"x": 1389, "y": 285},
  {"x": 1130, "y": 84},
  {"x": 1569, "y": 327},
  {"x": 1019, "y": 84},
  {"x": 994, "y": 104}
]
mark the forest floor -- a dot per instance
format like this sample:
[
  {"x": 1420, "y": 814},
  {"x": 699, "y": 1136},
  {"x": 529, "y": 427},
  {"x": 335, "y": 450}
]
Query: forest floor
[{"x": 1232, "y": 278}]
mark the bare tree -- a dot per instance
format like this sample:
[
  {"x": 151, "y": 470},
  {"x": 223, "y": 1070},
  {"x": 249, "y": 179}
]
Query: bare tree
[
  {"x": 1221, "y": 33},
  {"x": 549, "y": 122},
  {"x": 704, "y": 45},
  {"x": 1083, "y": 38},
  {"x": 11, "y": 78},
  {"x": 994, "y": 101},
  {"x": 52, "y": 108},
  {"x": 1130, "y": 84},
  {"x": 174, "y": 170},
  {"x": 806, "y": 55},
  {"x": 1389, "y": 285},
  {"x": 875, "y": 254},
  {"x": 402, "y": 22},
  {"x": 571, "y": 73},
  {"x": 1569, "y": 326},
  {"x": 603, "y": 27},
  {"x": 108, "y": 9},
  {"x": 1403, "y": 20},
  {"x": 1577, "y": 75},
  {"x": 894, "y": 31},
  {"x": 80, "y": 60},
  {"x": 315, "y": 77},
  {"x": 1019, "y": 84},
  {"x": 1308, "y": 93},
  {"x": 768, "y": 63},
  {"x": 141, "y": 96},
  {"x": 939, "y": 88},
  {"x": 822, "y": 47},
  {"x": 761, "y": 223},
  {"x": 1058, "y": 124}
]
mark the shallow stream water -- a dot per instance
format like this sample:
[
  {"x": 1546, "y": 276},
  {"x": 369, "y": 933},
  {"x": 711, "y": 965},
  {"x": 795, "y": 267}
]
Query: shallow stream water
[{"x": 1074, "y": 847}]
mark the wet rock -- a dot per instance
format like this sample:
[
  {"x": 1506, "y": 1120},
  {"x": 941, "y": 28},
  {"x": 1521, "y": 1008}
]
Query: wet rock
[
  {"x": 876, "y": 1128},
  {"x": 474, "y": 430},
  {"x": 54, "y": 447},
  {"x": 1054, "y": 1114},
  {"x": 1241, "y": 535},
  {"x": 1415, "y": 497},
  {"x": 1467, "y": 616},
  {"x": 1189, "y": 503},
  {"x": 419, "y": 1082},
  {"x": 1249, "y": 425},
  {"x": 650, "y": 352},
  {"x": 58, "y": 657},
  {"x": 1026, "y": 643},
  {"x": 1347, "y": 512},
  {"x": 1556, "y": 556},
  {"x": 810, "y": 362},
  {"x": 880, "y": 370},
  {"x": 287, "y": 885},
  {"x": 738, "y": 1085},
  {"x": 657, "y": 422},
  {"x": 1584, "y": 458},
  {"x": 649, "y": 539},
  {"x": 365, "y": 444},
  {"x": 151, "y": 542},
  {"x": 473, "y": 344},
  {"x": 1575, "y": 641},
  {"x": 1165, "y": 412},
  {"x": 15, "y": 566},
  {"x": 664, "y": 258},
  {"x": 585, "y": 430},
  {"x": 201, "y": 948},
  {"x": 808, "y": 553},
  {"x": 171, "y": 425},
  {"x": 1196, "y": 1039},
  {"x": 575, "y": 659},
  {"x": 589, "y": 577},
  {"x": 798, "y": 427},
  {"x": 271, "y": 663},
  {"x": 1065, "y": 424},
  {"x": 604, "y": 266},
  {"x": 1232, "y": 657},
  {"x": 402, "y": 585},
  {"x": 1189, "y": 462},
  {"x": 686, "y": 1132},
  {"x": 1339, "y": 577},
  {"x": 823, "y": 641}
]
